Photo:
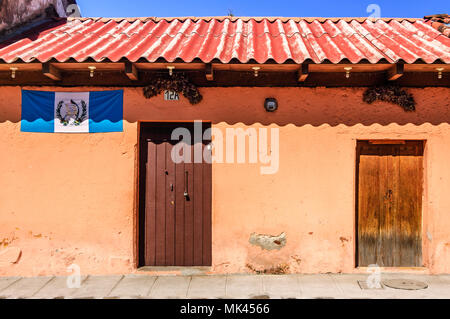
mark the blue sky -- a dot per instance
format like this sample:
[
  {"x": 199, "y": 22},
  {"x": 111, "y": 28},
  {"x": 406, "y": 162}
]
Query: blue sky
[{"x": 286, "y": 8}]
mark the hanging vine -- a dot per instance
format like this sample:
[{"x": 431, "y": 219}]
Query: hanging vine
[
  {"x": 177, "y": 83},
  {"x": 392, "y": 94}
]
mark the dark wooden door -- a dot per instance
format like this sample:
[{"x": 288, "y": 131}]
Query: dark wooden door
[
  {"x": 177, "y": 203},
  {"x": 389, "y": 204}
]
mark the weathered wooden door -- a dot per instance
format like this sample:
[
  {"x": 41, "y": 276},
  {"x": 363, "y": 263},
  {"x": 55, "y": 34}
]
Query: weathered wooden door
[
  {"x": 177, "y": 203},
  {"x": 389, "y": 203}
]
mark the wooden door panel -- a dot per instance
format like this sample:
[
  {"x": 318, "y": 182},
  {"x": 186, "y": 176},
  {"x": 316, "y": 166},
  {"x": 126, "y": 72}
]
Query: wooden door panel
[
  {"x": 389, "y": 204},
  {"x": 410, "y": 198},
  {"x": 369, "y": 209},
  {"x": 189, "y": 213},
  {"x": 180, "y": 218},
  {"x": 387, "y": 231},
  {"x": 160, "y": 199},
  {"x": 198, "y": 213},
  {"x": 177, "y": 205},
  {"x": 150, "y": 206},
  {"x": 170, "y": 206}
]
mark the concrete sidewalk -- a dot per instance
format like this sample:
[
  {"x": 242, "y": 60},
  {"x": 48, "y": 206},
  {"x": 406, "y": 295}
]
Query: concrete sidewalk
[{"x": 226, "y": 286}]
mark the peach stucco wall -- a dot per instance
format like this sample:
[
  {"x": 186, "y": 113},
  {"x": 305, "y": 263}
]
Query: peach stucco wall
[{"x": 71, "y": 199}]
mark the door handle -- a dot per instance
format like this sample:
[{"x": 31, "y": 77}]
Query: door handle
[{"x": 186, "y": 189}]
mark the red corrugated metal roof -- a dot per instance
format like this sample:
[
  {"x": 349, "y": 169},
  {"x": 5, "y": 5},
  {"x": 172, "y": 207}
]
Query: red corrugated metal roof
[{"x": 228, "y": 39}]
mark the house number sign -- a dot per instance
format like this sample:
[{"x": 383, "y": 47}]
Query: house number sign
[{"x": 171, "y": 96}]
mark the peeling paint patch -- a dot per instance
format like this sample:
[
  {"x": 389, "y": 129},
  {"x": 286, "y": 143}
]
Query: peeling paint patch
[
  {"x": 222, "y": 267},
  {"x": 10, "y": 256},
  {"x": 277, "y": 270},
  {"x": 268, "y": 242},
  {"x": 297, "y": 259},
  {"x": 343, "y": 240},
  {"x": 5, "y": 242}
]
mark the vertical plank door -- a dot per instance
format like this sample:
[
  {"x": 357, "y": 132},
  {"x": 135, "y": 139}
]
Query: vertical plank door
[
  {"x": 389, "y": 204},
  {"x": 177, "y": 204}
]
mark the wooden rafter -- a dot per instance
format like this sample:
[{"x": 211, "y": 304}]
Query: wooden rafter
[
  {"x": 209, "y": 69},
  {"x": 395, "y": 72},
  {"x": 303, "y": 72},
  {"x": 131, "y": 71},
  {"x": 51, "y": 71}
]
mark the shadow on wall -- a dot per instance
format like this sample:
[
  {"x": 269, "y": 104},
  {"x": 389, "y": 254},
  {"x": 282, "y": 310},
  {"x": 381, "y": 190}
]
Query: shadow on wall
[{"x": 297, "y": 106}]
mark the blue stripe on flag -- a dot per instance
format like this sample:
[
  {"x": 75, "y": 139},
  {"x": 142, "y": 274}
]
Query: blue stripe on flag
[
  {"x": 38, "y": 111},
  {"x": 106, "y": 111}
]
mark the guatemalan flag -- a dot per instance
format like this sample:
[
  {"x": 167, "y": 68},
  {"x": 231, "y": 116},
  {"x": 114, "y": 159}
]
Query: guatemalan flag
[{"x": 72, "y": 112}]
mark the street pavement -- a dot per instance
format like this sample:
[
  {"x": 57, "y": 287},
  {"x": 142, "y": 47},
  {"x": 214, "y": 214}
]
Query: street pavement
[{"x": 141, "y": 286}]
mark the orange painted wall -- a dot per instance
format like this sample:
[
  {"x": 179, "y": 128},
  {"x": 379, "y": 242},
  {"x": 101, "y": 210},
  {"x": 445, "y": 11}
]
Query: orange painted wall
[{"x": 68, "y": 199}]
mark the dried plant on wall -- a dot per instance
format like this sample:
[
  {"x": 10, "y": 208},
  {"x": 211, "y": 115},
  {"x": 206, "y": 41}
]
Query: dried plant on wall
[
  {"x": 177, "y": 83},
  {"x": 392, "y": 94}
]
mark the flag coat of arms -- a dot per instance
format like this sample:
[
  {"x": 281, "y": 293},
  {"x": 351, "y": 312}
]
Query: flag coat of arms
[{"x": 72, "y": 112}]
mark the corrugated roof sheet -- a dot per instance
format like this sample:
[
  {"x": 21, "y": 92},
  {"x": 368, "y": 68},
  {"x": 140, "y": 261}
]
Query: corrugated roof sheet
[{"x": 226, "y": 39}]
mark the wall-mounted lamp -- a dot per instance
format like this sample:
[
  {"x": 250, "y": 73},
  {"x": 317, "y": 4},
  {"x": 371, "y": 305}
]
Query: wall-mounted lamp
[
  {"x": 92, "y": 70},
  {"x": 271, "y": 104},
  {"x": 13, "y": 72},
  {"x": 347, "y": 71},
  {"x": 439, "y": 70},
  {"x": 256, "y": 70},
  {"x": 171, "y": 68}
]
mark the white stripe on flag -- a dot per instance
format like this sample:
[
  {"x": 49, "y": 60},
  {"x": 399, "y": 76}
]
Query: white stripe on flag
[{"x": 72, "y": 112}]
